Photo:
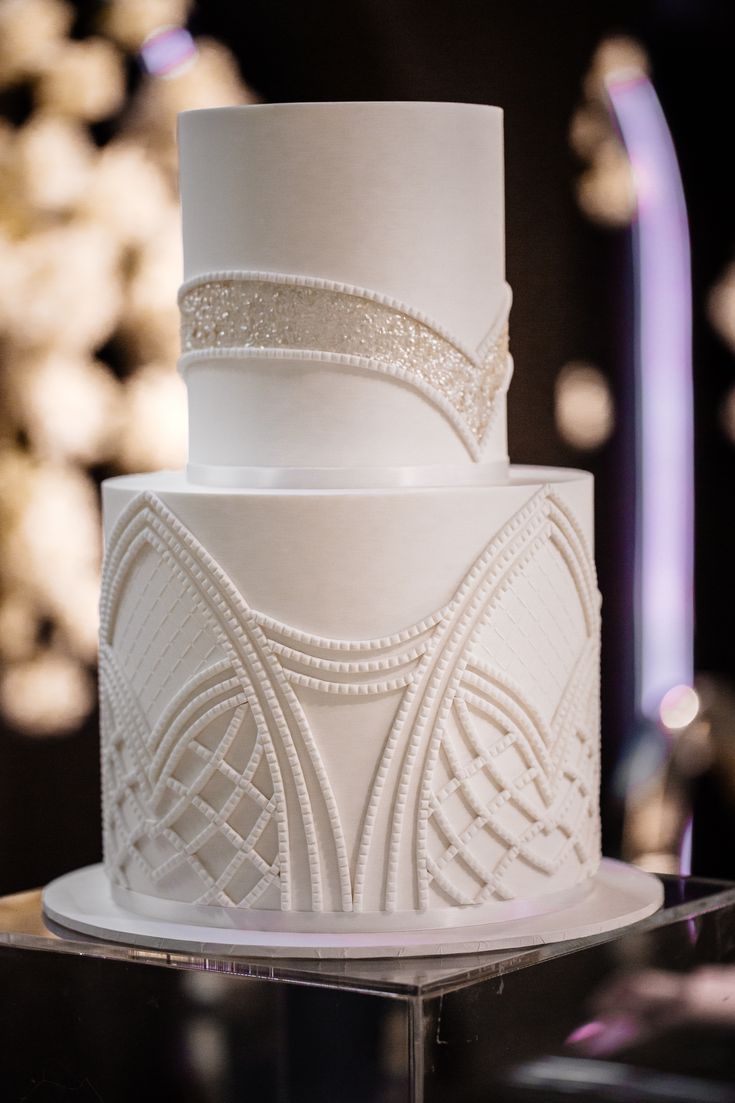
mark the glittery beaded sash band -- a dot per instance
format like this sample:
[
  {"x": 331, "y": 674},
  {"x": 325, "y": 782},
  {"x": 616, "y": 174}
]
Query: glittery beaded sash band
[{"x": 260, "y": 314}]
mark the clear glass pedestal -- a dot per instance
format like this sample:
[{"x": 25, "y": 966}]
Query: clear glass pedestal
[{"x": 82, "y": 1020}]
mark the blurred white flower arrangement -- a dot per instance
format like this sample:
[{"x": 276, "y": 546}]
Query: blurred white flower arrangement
[{"x": 89, "y": 262}]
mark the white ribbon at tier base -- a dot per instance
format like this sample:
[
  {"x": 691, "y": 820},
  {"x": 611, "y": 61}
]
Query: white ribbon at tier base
[
  {"x": 347, "y": 478},
  {"x": 333, "y": 923}
]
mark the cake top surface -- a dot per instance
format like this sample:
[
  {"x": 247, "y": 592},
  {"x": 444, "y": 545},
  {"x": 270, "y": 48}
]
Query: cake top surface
[{"x": 416, "y": 106}]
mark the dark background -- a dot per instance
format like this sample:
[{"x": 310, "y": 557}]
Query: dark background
[{"x": 572, "y": 300}]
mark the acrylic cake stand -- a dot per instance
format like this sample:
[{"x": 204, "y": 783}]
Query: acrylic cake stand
[{"x": 620, "y": 895}]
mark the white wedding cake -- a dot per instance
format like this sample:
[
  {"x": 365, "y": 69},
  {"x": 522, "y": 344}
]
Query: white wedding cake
[{"x": 349, "y": 657}]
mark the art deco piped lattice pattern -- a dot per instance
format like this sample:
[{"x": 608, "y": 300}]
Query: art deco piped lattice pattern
[
  {"x": 243, "y": 314},
  {"x": 485, "y": 779}
]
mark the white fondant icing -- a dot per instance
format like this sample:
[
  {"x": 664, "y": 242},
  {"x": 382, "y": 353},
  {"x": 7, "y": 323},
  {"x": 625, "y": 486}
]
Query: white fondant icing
[
  {"x": 348, "y": 565},
  {"x": 221, "y": 721},
  {"x": 405, "y": 199},
  {"x": 310, "y": 414}
]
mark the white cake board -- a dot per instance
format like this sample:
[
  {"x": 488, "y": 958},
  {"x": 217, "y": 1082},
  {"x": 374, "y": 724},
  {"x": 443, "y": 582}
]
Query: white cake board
[{"x": 621, "y": 895}]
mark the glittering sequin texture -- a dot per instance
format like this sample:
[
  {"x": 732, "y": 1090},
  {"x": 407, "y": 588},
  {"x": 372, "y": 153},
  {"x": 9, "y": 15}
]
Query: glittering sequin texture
[{"x": 236, "y": 313}]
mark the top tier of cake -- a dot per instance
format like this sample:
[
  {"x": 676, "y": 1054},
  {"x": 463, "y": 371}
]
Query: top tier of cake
[{"x": 344, "y": 298}]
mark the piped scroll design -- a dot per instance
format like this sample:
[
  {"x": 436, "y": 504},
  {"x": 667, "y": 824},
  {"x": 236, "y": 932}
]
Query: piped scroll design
[
  {"x": 214, "y": 788},
  {"x": 237, "y": 315}
]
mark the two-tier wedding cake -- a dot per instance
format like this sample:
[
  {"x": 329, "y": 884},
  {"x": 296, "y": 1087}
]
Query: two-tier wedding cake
[{"x": 349, "y": 658}]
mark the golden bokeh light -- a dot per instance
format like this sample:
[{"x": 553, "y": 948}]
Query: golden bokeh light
[
  {"x": 61, "y": 287},
  {"x": 85, "y": 80},
  {"x": 584, "y": 409},
  {"x": 52, "y": 546},
  {"x": 605, "y": 189},
  {"x": 721, "y": 313},
  {"x": 31, "y": 34},
  {"x": 50, "y": 694},
  {"x": 53, "y": 160},
  {"x": 69, "y": 407},
  {"x": 130, "y": 22},
  {"x": 128, "y": 195},
  {"x": 151, "y": 318},
  {"x": 18, "y": 627},
  {"x": 154, "y": 431},
  {"x": 658, "y": 862},
  {"x": 617, "y": 54},
  {"x": 721, "y": 306}
]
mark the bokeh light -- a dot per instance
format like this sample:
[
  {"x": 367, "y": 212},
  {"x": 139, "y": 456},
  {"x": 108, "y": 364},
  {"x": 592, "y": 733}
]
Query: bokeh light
[
  {"x": 53, "y": 161},
  {"x": 617, "y": 54},
  {"x": 679, "y": 708},
  {"x": 85, "y": 80},
  {"x": 130, "y": 22},
  {"x": 49, "y": 695},
  {"x": 721, "y": 306},
  {"x": 31, "y": 34},
  {"x": 70, "y": 407},
  {"x": 584, "y": 408},
  {"x": 168, "y": 51},
  {"x": 154, "y": 432},
  {"x": 61, "y": 287},
  {"x": 18, "y": 627},
  {"x": 606, "y": 190}
]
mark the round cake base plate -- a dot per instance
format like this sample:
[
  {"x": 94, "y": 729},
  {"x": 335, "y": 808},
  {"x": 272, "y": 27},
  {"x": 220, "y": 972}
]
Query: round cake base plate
[{"x": 621, "y": 894}]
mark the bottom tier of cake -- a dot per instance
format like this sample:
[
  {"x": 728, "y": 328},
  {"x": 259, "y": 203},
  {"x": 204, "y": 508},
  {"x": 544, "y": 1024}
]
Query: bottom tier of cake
[{"x": 350, "y": 710}]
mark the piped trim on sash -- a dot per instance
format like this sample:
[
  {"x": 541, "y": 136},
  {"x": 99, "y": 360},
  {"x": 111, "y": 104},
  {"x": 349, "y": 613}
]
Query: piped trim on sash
[{"x": 241, "y": 315}]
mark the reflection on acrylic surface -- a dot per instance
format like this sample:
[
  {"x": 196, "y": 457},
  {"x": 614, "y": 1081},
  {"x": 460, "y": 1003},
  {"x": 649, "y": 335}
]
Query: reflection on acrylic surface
[
  {"x": 557, "y": 1078},
  {"x": 643, "y": 1024},
  {"x": 638, "y": 1006}
]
